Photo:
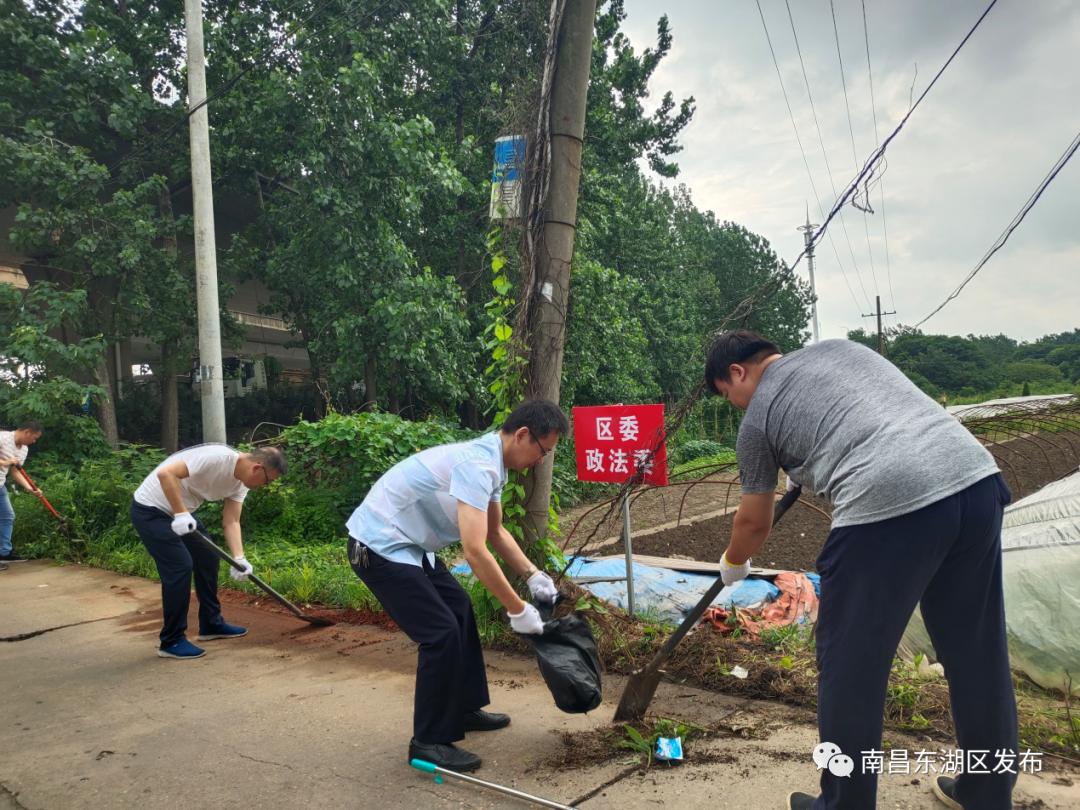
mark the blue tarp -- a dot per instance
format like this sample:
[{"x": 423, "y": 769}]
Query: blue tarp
[{"x": 664, "y": 594}]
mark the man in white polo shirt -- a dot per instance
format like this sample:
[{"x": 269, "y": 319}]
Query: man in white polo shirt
[
  {"x": 420, "y": 505},
  {"x": 161, "y": 513},
  {"x": 14, "y": 447}
]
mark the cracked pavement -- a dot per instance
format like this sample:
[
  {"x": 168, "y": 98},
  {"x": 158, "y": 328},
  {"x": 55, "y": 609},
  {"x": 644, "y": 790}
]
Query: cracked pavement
[{"x": 293, "y": 716}]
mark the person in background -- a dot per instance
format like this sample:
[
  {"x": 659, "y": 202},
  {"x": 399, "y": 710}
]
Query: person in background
[
  {"x": 161, "y": 511},
  {"x": 14, "y": 447}
]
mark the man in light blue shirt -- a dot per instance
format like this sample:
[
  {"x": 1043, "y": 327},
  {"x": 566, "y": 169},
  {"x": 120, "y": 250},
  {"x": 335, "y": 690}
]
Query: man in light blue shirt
[{"x": 427, "y": 502}]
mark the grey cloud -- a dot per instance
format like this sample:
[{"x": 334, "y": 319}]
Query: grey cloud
[{"x": 958, "y": 172}]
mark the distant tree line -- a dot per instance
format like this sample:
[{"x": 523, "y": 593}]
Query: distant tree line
[{"x": 983, "y": 366}]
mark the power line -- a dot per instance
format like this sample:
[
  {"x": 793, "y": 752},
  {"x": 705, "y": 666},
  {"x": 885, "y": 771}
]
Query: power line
[
  {"x": 851, "y": 132},
  {"x": 873, "y": 162},
  {"x": 802, "y": 151},
  {"x": 999, "y": 243},
  {"x": 824, "y": 153},
  {"x": 877, "y": 142}
]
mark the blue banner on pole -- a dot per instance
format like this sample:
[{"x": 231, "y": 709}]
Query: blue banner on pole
[{"x": 506, "y": 177}]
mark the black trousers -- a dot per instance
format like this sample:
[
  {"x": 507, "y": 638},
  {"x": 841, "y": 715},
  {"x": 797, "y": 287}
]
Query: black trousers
[
  {"x": 434, "y": 611},
  {"x": 946, "y": 557},
  {"x": 177, "y": 558}
]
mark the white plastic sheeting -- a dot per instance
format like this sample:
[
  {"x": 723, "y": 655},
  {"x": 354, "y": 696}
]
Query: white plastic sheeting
[
  {"x": 993, "y": 407},
  {"x": 1040, "y": 540}
]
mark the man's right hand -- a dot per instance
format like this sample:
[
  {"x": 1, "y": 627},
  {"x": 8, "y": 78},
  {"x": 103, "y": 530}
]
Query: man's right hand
[
  {"x": 183, "y": 523},
  {"x": 732, "y": 573},
  {"x": 527, "y": 622},
  {"x": 238, "y": 575}
]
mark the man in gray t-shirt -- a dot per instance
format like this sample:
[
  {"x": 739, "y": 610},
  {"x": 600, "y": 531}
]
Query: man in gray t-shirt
[
  {"x": 917, "y": 506},
  {"x": 844, "y": 422}
]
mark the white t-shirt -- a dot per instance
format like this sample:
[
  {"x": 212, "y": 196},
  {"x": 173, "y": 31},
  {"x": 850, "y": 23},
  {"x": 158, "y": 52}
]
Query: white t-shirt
[
  {"x": 210, "y": 478},
  {"x": 8, "y": 450}
]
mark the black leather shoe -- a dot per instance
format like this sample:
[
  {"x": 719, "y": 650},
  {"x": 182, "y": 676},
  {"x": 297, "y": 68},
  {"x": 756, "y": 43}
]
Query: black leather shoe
[
  {"x": 445, "y": 755},
  {"x": 799, "y": 801},
  {"x": 485, "y": 721}
]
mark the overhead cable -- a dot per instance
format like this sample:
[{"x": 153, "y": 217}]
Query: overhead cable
[
  {"x": 877, "y": 143},
  {"x": 802, "y": 151},
  {"x": 999, "y": 243},
  {"x": 873, "y": 162}
]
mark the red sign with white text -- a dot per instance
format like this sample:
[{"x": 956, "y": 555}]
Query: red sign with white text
[{"x": 613, "y": 441}]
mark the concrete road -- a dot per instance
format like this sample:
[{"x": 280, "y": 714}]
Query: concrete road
[{"x": 294, "y": 716}]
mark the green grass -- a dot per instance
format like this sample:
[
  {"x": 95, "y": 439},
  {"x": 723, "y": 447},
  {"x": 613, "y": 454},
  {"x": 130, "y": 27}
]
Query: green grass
[
  {"x": 789, "y": 640},
  {"x": 699, "y": 467}
]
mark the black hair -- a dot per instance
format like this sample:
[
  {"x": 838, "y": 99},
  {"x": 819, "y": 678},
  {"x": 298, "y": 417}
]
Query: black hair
[
  {"x": 33, "y": 425},
  {"x": 540, "y": 416},
  {"x": 736, "y": 346}
]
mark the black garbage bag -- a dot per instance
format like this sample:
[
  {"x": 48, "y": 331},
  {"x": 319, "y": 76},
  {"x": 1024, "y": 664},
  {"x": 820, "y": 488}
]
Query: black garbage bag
[{"x": 568, "y": 661}]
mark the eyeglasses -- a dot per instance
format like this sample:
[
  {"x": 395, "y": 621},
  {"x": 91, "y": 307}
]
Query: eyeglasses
[
  {"x": 543, "y": 450},
  {"x": 266, "y": 476}
]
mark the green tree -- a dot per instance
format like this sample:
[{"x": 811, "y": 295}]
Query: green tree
[
  {"x": 953, "y": 364},
  {"x": 90, "y": 154},
  {"x": 351, "y": 182},
  {"x": 1032, "y": 371},
  {"x": 39, "y": 372},
  {"x": 1067, "y": 359},
  {"x": 607, "y": 352}
]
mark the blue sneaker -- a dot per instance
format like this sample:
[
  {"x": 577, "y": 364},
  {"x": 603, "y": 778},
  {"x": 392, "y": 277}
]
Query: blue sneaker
[
  {"x": 222, "y": 631},
  {"x": 182, "y": 649}
]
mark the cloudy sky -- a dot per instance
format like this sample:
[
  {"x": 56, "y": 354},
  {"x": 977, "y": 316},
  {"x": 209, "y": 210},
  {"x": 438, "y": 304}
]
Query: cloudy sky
[{"x": 959, "y": 171}]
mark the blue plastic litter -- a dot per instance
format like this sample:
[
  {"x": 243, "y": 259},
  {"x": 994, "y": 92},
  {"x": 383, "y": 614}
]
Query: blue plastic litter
[
  {"x": 661, "y": 593},
  {"x": 669, "y": 749}
]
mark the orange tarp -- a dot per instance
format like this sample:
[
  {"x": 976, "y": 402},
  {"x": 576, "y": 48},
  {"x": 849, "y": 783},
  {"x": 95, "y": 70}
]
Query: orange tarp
[{"x": 797, "y": 603}]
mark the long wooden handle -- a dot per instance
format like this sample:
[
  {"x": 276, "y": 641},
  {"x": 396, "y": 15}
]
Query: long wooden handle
[
  {"x": 220, "y": 552},
  {"x": 699, "y": 609},
  {"x": 37, "y": 491}
]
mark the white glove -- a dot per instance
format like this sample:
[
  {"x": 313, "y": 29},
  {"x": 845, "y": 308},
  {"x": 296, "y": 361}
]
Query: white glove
[
  {"x": 542, "y": 588},
  {"x": 183, "y": 523},
  {"x": 238, "y": 575},
  {"x": 733, "y": 573},
  {"x": 527, "y": 622}
]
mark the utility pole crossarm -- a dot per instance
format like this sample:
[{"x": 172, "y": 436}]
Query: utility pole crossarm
[
  {"x": 808, "y": 239},
  {"x": 878, "y": 314}
]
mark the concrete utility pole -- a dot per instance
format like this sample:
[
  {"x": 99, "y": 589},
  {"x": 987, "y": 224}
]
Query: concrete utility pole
[
  {"x": 808, "y": 240},
  {"x": 878, "y": 314},
  {"x": 566, "y": 117},
  {"x": 211, "y": 385}
]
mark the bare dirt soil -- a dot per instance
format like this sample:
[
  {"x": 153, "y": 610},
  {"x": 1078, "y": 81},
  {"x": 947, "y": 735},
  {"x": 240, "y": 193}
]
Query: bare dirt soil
[
  {"x": 291, "y": 624},
  {"x": 681, "y": 502},
  {"x": 1027, "y": 463},
  {"x": 793, "y": 544},
  {"x": 1031, "y": 462}
]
